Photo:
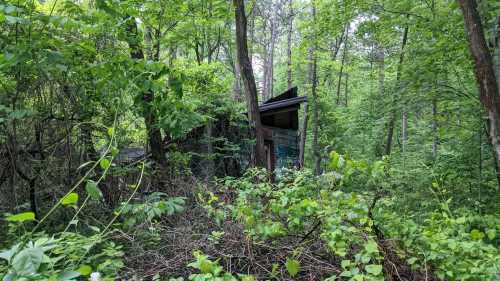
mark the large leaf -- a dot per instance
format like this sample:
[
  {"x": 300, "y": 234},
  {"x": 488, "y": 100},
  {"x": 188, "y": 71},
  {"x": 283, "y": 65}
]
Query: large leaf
[
  {"x": 374, "y": 269},
  {"x": 70, "y": 199},
  {"x": 68, "y": 276},
  {"x": 26, "y": 216},
  {"x": 292, "y": 266},
  {"x": 92, "y": 189},
  {"x": 27, "y": 261},
  {"x": 8, "y": 254},
  {"x": 105, "y": 163},
  {"x": 85, "y": 270}
]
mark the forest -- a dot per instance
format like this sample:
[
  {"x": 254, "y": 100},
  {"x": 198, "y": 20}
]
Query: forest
[{"x": 242, "y": 140}]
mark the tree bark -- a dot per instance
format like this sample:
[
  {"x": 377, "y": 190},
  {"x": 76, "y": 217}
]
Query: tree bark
[
  {"x": 485, "y": 75},
  {"x": 435, "y": 142},
  {"x": 289, "y": 45},
  {"x": 259, "y": 157},
  {"x": 346, "y": 89},
  {"x": 150, "y": 118},
  {"x": 303, "y": 135},
  {"x": 314, "y": 84},
  {"x": 344, "y": 53},
  {"x": 390, "y": 129}
]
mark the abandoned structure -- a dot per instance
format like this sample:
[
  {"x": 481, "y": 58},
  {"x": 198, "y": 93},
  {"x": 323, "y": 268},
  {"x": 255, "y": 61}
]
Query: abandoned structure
[
  {"x": 223, "y": 148},
  {"x": 284, "y": 144}
]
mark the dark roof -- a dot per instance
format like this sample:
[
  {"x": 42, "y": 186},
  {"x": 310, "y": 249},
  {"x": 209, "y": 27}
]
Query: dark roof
[
  {"x": 286, "y": 99},
  {"x": 288, "y": 94},
  {"x": 282, "y": 103}
]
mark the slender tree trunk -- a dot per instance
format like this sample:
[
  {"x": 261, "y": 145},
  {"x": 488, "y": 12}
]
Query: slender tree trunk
[
  {"x": 346, "y": 89},
  {"x": 485, "y": 75},
  {"x": 435, "y": 142},
  {"x": 381, "y": 73},
  {"x": 390, "y": 129},
  {"x": 289, "y": 44},
  {"x": 314, "y": 82},
  {"x": 344, "y": 54},
  {"x": 154, "y": 133},
  {"x": 209, "y": 161},
  {"x": 404, "y": 128},
  {"x": 259, "y": 157},
  {"x": 303, "y": 135}
]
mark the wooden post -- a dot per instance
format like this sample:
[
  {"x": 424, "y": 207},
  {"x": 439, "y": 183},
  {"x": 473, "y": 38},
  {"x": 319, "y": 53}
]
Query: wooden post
[{"x": 303, "y": 138}]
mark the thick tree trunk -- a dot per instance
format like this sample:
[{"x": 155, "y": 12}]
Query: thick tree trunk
[
  {"x": 390, "y": 128},
  {"x": 485, "y": 75},
  {"x": 289, "y": 44},
  {"x": 237, "y": 91},
  {"x": 150, "y": 119},
  {"x": 259, "y": 157}
]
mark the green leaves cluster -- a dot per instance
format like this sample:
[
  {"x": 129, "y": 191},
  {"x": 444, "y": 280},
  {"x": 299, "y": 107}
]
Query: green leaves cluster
[
  {"x": 154, "y": 206},
  {"x": 459, "y": 246},
  {"x": 305, "y": 206}
]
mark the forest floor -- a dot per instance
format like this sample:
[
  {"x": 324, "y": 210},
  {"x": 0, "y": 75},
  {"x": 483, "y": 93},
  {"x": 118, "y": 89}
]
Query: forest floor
[{"x": 195, "y": 230}]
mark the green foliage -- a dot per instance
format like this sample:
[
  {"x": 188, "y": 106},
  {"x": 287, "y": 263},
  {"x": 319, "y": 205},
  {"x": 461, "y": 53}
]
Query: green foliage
[
  {"x": 452, "y": 243},
  {"x": 292, "y": 266},
  {"x": 302, "y": 203},
  {"x": 154, "y": 206},
  {"x": 51, "y": 258},
  {"x": 26, "y": 216},
  {"x": 210, "y": 270},
  {"x": 70, "y": 199}
]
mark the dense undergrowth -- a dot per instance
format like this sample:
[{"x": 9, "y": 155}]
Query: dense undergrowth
[{"x": 342, "y": 225}]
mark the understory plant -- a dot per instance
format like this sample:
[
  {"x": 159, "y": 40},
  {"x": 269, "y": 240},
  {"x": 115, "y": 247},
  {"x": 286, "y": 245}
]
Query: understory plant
[{"x": 302, "y": 205}]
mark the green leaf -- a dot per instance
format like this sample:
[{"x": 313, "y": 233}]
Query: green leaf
[
  {"x": 358, "y": 277},
  {"x": 371, "y": 247},
  {"x": 411, "y": 261},
  {"x": 70, "y": 199},
  {"x": 111, "y": 132},
  {"x": 292, "y": 266},
  {"x": 8, "y": 254},
  {"x": 374, "y": 269},
  {"x": 476, "y": 234},
  {"x": 68, "y": 275},
  {"x": 26, "y": 216},
  {"x": 27, "y": 261},
  {"x": 85, "y": 270},
  {"x": 491, "y": 233},
  {"x": 105, "y": 163},
  {"x": 92, "y": 189}
]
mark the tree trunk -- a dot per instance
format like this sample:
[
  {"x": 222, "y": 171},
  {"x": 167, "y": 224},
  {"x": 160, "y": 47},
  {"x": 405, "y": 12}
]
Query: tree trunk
[
  {"x": 259, "y": 157},
  {"x": 314, "y": 82},
  {"x": 404, "y": 128},
  {"x": 150, "y": 119},
  {"x": 303, "y": 135},
  {"x": 381, "y": 72},
  {"x": 378, "y": 103},
  {"x": 237, "y": 91},
  {"x": 289, "y": 44},
  {"x": 346, "y": 89},
  {"x": 343, "y": 62},
  {"x": 390, "y": 129},
  {"x": 485, "y": 75},
  {"x": 435, "y": 143}
]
